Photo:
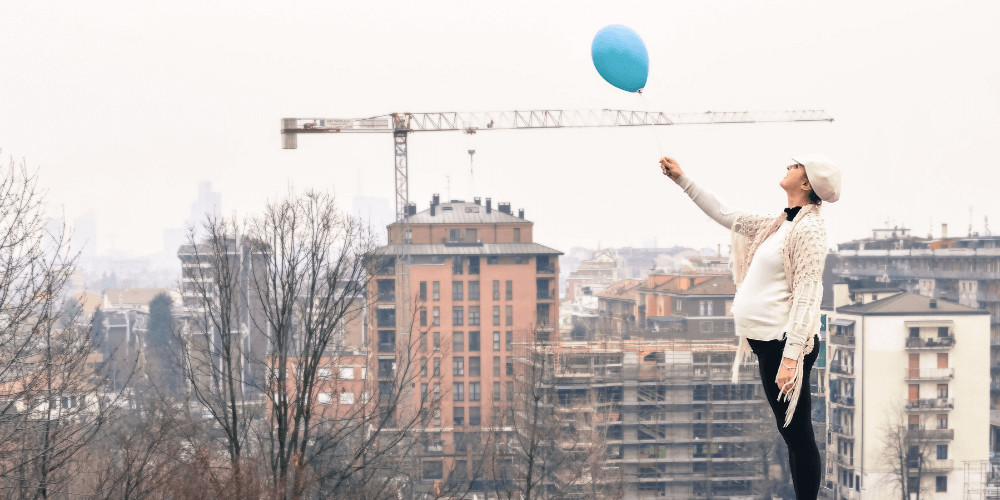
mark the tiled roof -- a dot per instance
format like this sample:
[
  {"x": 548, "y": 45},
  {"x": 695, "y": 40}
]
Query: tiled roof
[
  {"x": 472, "y": 249},
  {"x": 622, "y": 289},
  {"x": 717, "y": 285},
  {"x": 138, "y": 296},
  {"x": 909, "y": 303}
]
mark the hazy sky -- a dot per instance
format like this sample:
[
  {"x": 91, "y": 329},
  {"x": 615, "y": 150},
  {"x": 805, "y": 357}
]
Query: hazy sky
[{"x": 125, "y": 106}]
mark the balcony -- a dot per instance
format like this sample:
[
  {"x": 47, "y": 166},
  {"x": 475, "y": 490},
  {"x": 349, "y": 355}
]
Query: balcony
[
  {"x": 542, "y": 268},
  {"x": 843, "y": 340},
  {"x": 930, "y": 343},
  {"x": 936, "y": 404},
  {"x": 843, "y": 430},
  {"x": 930, "y": 374},
  {"x": 837, "y": 399},
  {"x": 934, "y": 465},
  {"x": 932, "y": 434},
  {"x": 840, "y": 369}
]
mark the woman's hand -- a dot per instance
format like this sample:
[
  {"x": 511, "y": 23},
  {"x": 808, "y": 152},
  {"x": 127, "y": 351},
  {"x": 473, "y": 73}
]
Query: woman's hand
[
  {"x": 785, "y": 374},
  {"x": 671, "y": 168}
]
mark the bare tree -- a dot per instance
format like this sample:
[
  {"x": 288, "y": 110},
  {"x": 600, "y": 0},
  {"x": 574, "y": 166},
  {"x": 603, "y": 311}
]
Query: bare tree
[
  {"x": 214, "y": 338},
  {"x": 542, "y": 453},
  {"x": 51, "y": 400},
  {"x": 906, "y": 453}
]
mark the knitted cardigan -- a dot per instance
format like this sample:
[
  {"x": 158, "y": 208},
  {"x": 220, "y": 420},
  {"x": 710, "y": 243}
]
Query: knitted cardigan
[{"x": 803, "y": 256}]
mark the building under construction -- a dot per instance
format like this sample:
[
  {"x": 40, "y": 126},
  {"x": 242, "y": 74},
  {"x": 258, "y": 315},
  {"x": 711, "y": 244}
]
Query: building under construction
[{"x": 672, "y": 422}]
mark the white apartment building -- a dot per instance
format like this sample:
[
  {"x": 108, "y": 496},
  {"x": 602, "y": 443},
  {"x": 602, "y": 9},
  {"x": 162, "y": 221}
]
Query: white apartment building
[{"x": 914, "y": 371}]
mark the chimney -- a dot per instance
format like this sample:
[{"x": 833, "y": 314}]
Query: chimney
[
  {"x": 503, "y": 207},
  {"x": 433, "y": 209},
  {"x": 489, "y": 205},
  {"x": 944, "y": 231},
  {"x": 520, "y": 213},
  {"x": 436, "y": 199},
  {"x": 477, "y": 200},
  {"x": 411, "y": 209},
  {"x": 933, "y": 304}
]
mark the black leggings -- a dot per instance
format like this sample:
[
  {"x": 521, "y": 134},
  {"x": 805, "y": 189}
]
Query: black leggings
[{"x": 803, "y": 455}]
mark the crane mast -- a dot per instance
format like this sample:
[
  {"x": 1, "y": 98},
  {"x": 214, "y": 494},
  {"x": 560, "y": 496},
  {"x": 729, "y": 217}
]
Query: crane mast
[{"x": 400, "y": 125}]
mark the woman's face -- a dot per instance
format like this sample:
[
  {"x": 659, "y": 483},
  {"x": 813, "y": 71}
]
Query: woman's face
[{"x": 795, "y": 176}]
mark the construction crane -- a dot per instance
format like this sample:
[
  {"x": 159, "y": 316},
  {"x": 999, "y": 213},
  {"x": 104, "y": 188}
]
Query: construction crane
[{"x": 400, "y": 125}]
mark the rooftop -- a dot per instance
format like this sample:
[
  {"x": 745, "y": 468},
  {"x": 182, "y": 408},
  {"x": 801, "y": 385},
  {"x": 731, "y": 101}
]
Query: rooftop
[
  {"x": 470, "y": 249},
  {"x": 461, "y": 212},
  {"x": 909, "y": 304}
]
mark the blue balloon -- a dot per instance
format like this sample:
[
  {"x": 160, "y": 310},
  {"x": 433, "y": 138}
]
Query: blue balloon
[{"x": 620, "y": 57}]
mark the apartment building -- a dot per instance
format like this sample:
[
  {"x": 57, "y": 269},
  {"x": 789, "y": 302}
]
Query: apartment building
[
  {"x": 960, "y": 269},
  {"x": 907, "y": 378},
  {"x": 458, "y": 286}
]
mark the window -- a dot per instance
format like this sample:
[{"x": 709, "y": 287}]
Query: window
[
  {"x": 942, "y": 452},
  {"x": 470, "y": 236},
  {"x": 436, "y": 320},
  {"x": 473, "y": 366},
  {"x": 437, "y": 367},
  {"x": 423, "y": 341},
  {"x": 473, "y": 265},
  {"x": 423, "y": 290},
  {"x": 437, "y": 339},
  {"x": 510, "y": 340},
  {"x": 510, "y": 394},
  {"x": 510, "y": 366},
  {"x": 496, "y": 315},
  {"x": 433, "y": 470},
  {"x": 459, "y": 415},
  {"x": 386, "y": 341},
  {"x": 941, "y": 483},
  {"x": 517, "y": 235},
  {"x": 456, "y": 265},
  {"x": 509, "y": 313},
  {"x": 943, "y": 331},
  {"x": 423, "y": 367},
  {"x": 456, "y": 290},
  {"x": 324, "y": 373},
  {"x": 460, "y": 442},
  {"x": 496, "y": 341},
  {"x": 386, "y": 317},
  {"x": 473, "y": 290},
  {"x": 474, "y": 315},
  {"x": 437, "y": 290},
  {"x": 520, "y": 259},
  {"x": 437, "y": 412},
  {"x": 473, "y": 341},
  {"x": 347, "y": 398},
  {"x": 914, "y": 332},
  {"x": 496, "y": 390},
  {"x": 386, "y": 368},
  {"x": 496, "y": 289},
  {"x": 454, "y": 235},
  {"x": 346, "y": 373},
  {"x": 458, "y": 342},
  {"x": 942, "y": 421},
  {"x": 457, "y": 315},
  {"x": 475, "y": 394},
  {"x": 508, "y": 291},
  {"x": 458, "y": 393},
  {"x": 458, "y": 368},
  {"x": 423, "y": 390},
  {"x": 942, "y": 391},
  {"x": 496, "y": 366},
  {"x": 423, "y": 316},
  {"x": 492, "y": 260},
  {"x": 324, "y": 398},
  {"x": 474, "y": 417}
]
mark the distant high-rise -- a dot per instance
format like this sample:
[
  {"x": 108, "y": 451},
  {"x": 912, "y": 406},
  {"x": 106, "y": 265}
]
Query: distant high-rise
[{"x": 208, "y": 203}]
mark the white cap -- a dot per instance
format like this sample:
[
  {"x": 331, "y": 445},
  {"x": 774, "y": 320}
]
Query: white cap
[{"x": 823, "y": 174}]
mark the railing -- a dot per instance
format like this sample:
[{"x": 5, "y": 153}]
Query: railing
[
  {"x": 930, "y": 343},
  {"x": 932, "y": 434},
  {"x": 841, "y": 429},
  {"x": 841, "y": 340},
  {"x": 930, "y": 373},
  {"x": 916, "y": 273},
  {"x": 931, "y": 404},
  {"x": 840, "y": 369},
  {"x": 842, "y": 400},
  {"x": 936, "y": 465},
  {"x": 545, "y": 269}
]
